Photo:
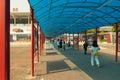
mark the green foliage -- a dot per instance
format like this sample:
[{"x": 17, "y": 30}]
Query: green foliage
[
  {"x": 104, "y": 40},
  {"x": 91, "y": 31},
  {"x": 113, "y": 29},
  {"x": 102, "y": 31}
]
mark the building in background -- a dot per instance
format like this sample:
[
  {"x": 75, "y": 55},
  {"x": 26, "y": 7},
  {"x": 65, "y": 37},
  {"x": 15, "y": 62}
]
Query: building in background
[{"x": 20, "y": 29}]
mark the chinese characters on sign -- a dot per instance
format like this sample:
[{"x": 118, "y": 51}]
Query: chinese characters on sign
[{"x": 15, "y": 9}]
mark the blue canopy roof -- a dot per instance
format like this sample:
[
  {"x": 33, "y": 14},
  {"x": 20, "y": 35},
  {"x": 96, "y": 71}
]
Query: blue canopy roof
[{"x": 56, "y": 17}]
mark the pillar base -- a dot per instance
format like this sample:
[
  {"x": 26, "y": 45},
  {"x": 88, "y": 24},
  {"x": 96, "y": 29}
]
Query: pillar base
[{"x": 30, "y": 77}]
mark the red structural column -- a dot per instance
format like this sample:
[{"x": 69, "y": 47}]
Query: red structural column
[
  {"x": 40, "y": 42},
  {"x": 43, "y": 40},
  {"x": 73, "y": 40},
  {"x": 78, "y": 41},
  {"x": 4, "y": 40},
  {"x": 37, "y": 45},
  {"x": 96, "y": 34},
  {"x": 32, "y": 43},
  {"x": 85, "y": 36},
  {"x": 116, "y": 52}
]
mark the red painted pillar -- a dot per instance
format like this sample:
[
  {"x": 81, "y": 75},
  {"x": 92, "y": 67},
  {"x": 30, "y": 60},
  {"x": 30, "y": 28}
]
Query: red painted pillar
[
  {"x": 85, "y": 36},
  {"x": 4, "y": 40},
  {"x": 37, "y": 45},
  {"x": 32, "y": 43},
  {"x": 43, "y": 40},
  {"x": 96, "y": 34},
  {"x": 116, "y": 53},
  {"x": 78, "y": 41},
  {"x": 73, "y": 40},
  {"x": 40, "y": 42}
]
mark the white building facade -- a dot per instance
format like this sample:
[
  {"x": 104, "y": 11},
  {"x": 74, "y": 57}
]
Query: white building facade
[{"x": 20, "y": 29}]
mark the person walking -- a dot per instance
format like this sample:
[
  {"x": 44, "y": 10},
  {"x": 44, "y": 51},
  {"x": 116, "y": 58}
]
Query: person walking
[
  {"x": 94, "y": 53},
  {"x": 60, "y": 44},
  {"x": 58, "y": 41},
  {"x": 64, "y": 45},
  {"x": 85, "y": 45},
  {"x": 69, "y": 43}
]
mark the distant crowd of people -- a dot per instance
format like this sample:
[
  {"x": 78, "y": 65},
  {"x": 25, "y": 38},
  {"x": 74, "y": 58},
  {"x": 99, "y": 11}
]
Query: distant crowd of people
[
  {"x": 62, "y": 44},
  {"x": 90, "y": 43}
]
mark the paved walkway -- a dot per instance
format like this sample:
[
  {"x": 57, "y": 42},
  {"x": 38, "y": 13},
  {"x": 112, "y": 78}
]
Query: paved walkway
[{"x": 70, "y": 64}]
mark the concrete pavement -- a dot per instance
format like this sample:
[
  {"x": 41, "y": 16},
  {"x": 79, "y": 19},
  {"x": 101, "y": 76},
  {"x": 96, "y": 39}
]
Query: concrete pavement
[{"x": 70, "y": 64}]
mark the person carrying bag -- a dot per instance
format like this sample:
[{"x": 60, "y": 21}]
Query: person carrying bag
[{"x": 95, "y": 54}]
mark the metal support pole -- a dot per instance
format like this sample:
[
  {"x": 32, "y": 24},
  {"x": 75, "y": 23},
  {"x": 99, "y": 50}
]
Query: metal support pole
[
  {"x": 73, "y": 40},
  {"x": 32, "y": 43},
  {"x": 116, "y": 53},
  {"x": 78, "y": 41},
  {"x": 4, "y": 40},
  {"x": 96, "y": 34},
  {"x": 37, "y": 45},
  {"x": 85, "y": 36},
  {"x": 40, "y": 42}
]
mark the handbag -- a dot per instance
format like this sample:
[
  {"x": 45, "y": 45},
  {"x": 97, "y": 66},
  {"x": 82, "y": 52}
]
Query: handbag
[{"x": 95, "y": 52}]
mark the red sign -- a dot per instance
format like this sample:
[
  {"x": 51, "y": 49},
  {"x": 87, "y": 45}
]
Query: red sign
[
  {"x": 15, "y": 9},
  {"x": 17, "y": 30},
  {"x": 108, "y": 38}
]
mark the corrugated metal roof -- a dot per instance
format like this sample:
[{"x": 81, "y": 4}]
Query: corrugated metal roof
[{"x": 56, "y": 17}]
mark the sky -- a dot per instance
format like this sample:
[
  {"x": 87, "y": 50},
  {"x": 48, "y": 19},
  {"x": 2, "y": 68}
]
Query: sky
[{"x": 21, "y": 5}]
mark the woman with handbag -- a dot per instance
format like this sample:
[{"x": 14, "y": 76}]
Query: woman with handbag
[{"x": 94, "y": 53}]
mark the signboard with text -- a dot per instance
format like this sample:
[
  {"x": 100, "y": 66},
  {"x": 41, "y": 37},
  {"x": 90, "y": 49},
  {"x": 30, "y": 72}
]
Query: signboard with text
[
  {"x": 15, "y": 6},
  {"x": 20, "y": 30}
]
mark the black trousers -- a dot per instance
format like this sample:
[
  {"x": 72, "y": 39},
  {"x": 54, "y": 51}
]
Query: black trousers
[{"x": 85, "y": 50}]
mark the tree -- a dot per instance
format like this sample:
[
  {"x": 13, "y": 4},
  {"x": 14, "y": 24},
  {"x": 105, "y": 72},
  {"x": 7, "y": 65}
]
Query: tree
[
  {"x": 91, "y": 31},
  {"x": 113, "y": 29}
]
